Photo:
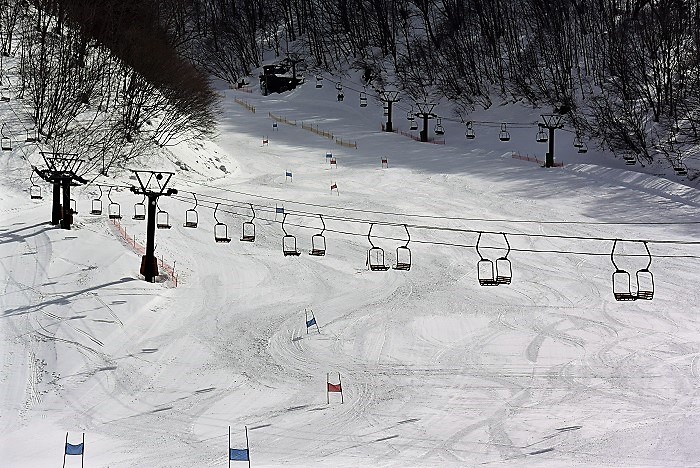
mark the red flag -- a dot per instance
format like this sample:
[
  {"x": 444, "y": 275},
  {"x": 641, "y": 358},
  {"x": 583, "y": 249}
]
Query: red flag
[
  {"x": 334, "y": 186},
  {"x": 334, "y": 388}
]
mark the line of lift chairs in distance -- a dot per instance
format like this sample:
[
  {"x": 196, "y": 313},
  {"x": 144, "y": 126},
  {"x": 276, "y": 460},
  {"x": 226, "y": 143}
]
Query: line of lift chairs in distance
[{"x": 490, "y": 272}]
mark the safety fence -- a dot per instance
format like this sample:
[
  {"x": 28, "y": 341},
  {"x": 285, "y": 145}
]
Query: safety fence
[
  {"x": 346, "y": 143},
  {"x": 315, "y": 129},
  {"x": 326, "y": 134},
  {"x": 280, "y": 119},
  {"x": 533, "y": 158},
  {"x": 245, "y": 104},
  {"x": 141, "y": 250}
]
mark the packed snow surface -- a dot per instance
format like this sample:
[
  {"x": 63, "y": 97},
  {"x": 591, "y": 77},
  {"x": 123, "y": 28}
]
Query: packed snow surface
[{"x": 436, "y": 370}]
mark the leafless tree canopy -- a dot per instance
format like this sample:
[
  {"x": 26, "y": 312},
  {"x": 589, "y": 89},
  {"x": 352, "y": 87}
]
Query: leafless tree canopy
[{"x": 625, "y": 72}]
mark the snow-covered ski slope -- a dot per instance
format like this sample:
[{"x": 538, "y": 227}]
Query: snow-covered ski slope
[{"x": 437, "y": 371}]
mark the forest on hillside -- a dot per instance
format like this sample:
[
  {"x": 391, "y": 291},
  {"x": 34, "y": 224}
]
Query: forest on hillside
[{"x": 625, "y": 73}]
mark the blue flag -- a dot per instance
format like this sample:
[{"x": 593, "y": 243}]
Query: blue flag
[
  {"x": 238, "y": 454},
  {"x": 289, "y": 174},
  {"x": 311, "y": 322},
  {"x": 74, "y": 449},
  {"x": 279, "y": 209}
]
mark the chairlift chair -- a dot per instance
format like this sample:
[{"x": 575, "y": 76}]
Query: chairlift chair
[
  {"x": 403, "y": 254},
  {"x": 34, "y": 189},
  {"x": 32, "y": 136},
  {"x": 645, "y": 280},
  {"x": 289, "y": 242},
  {"x": 114, "y": 210},
  {"x": 5, "y": 140},
  {"x": 439, "y": 130},
  {"x": 73, "y": 206},
  {"x": 318, "y": 242},
  {"x": 486, "y": 272},
  {"x": 363, "y": 99},
  {"x": 341, "y": 95},
  {"x": 503, "y": 135},
  {"x": 319, "y": 81},
  {"x": 490, "y": 273},
  {"x": 414, "y": 124},
  {"x": 35, "y": 192},
  {"x": 622, "y": 281},
  {"x": 630, "y": 159},
  {"x": 680, "y": 167},
  {"x": 162, "y": 219},
  {"x": 504, "y": 272},
  {"x": 386, "y": 109},
  {"x": 375, "y": 255},
  {"x": 140, "y": 210},
  {"x": 410, "y": 115},
  {"x": 542, "y": 136},
  {"x": 96, "y": 205},
  {"x": 220, "y": 229},
  {"x": 248, "y": 234},
  {"x": 469, "y": 133},
  {"x": 583, "y": 148},
  {"x": 577, "y": 142},
  {"x": 191, "y": 216}
]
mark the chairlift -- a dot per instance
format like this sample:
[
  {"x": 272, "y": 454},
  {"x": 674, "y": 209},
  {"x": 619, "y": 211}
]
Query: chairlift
[
  {"x": 414, "y": 124},
  {"x": 5, "y": 140},
  {"x": 469, "y": 133},
  {"x": 577, "y": 142},
  {"x": 630, "y": 159},
  {"x": 386, "y": 109},
  {"x": 140, "y": 210},
  {"x": 439, "y": 130},
  {"x": 494, "y": 274},
  {"x": 289, "y": 242},
  {"x": 583, "y": 148},
  {"x": 220, "y": 229},
  {"x": 162, "y": 219},
  {"x": 504, "y": 135},
  {"x": 341, "y": 96},
  {"x": 403, "y": 254},
  {"x": 191, "y": 216},
  {"x": 319, "y": 81},
  {"x": 363, "y": 99},
  {"x": 622, "y": 280},
  {"x": 542, "y": 136},
  {"x": 113, "y": 209},
  {"x": 410, "y": 115},
  {"x": 318, "y": 242},
  {"x": 96, "y": 206},
  {"x": 249, "y": 228},
  {"x": 375, "y": 255}
]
